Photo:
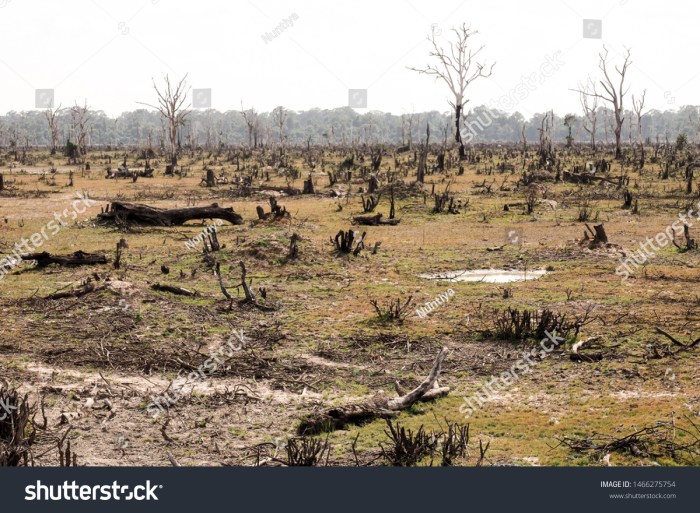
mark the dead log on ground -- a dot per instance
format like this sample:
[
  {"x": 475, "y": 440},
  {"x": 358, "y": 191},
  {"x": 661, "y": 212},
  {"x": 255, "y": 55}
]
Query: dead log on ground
[
  {"x": 686, "y": 347},
  {"x": 577, "y": 356},
  {"x": 375, "y": 220},
  {"x": 379, "y": 406},
  {"x": 74, "y": 259},
  {"x": 179, "y": 291},
  {"x": 146, "y": 215},
  {"x": 87, "y": 288}
]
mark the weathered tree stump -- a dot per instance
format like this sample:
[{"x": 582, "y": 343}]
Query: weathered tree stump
[
  {"x": 600, "y": 238},
  {"x": 293, "y": 249},
  {"x": 308, "y": 186}
]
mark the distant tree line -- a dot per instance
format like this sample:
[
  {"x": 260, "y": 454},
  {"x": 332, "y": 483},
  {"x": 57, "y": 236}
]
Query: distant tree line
[{"x": 341, "y": 126}]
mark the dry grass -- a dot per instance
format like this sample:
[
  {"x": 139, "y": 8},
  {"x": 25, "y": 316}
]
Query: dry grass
[{"x": 322, "y": 344}]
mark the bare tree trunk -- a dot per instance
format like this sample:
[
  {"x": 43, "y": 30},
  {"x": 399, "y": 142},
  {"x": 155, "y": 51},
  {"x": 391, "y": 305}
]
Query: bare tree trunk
[{"x": 379, "y": 406}]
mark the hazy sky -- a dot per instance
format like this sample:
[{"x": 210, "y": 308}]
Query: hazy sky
[{"x": 106, "y": 52}]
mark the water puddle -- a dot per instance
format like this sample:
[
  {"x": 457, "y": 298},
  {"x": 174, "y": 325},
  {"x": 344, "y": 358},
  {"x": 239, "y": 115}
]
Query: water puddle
[{"x": 486, "y": 275}]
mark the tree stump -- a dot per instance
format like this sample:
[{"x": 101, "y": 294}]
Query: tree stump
[{"x": 308, "y": 186}]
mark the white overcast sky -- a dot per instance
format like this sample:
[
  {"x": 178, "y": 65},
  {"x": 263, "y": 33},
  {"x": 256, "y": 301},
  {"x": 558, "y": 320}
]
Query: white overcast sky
[{"x": 106, "y": 52}]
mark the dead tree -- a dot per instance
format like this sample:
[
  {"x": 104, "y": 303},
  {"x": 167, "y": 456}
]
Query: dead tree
[
  {"x": 51, "y": 115},
  {"x": 370, "y": 203},
  {"x": 81, "y": 120},
  {"x": 638, "y": 106},
  {"x": 123, "y": 213},
  {"x": 457, "y": 68},
  {"x": 380, "y": 406},
  {"x": 346, "y": 242},
  {"x": 589, "y": 103},
  {"x": 614, "y": 93},
  {"x": 546, "y": 152},
  {"x": 250, "y": 117},
  {"x": 279, "y": 114},
  {"x": 171, "y": 105},
  {"x": 376, "y": 160},
  {"x": 688, "y": 176},
  {"x": 444, "y": 203},
  {"x": 392, "y": 206},
  {"x": 423, "y": 161},
  {"x": 689, "y": 241},
  {"x": 249, "y": 296}
]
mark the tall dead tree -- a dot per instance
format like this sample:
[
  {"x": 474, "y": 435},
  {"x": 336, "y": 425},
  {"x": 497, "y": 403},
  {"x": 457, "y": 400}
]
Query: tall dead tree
[
  {"x": 457, "y": 67},
  {"x": 51, "y": 115},
  {"x": 81, "y": 121},
  {"x": 638, "y": 106},
  {"x": 423, "y": 161},
  {"x": 589, "y": 104},
  {"x": 614, "y": 92},
  {"x": 279, "y": 114},
  {"x": 171, "y": 105},
  {"x": 407, "y": 129},
  {"x": 250, "y": 117}
]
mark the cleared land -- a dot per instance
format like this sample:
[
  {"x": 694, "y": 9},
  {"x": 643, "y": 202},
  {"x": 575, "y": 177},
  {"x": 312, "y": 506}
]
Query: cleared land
[{"x": 98, "y": 359}]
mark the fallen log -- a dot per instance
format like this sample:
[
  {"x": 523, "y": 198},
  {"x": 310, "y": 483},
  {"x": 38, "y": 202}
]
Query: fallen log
[
  {"x": 577, "y": 356},
  {"x": 375, "y": 220},
  {"x": 379, "y": 406},
  {"x": 119, "y": 212},
  {"x": 79, "y": 292},
  {"x": 74, "y": 259},
  {"x": 173, "y": 290},
  {"x": 691, "y": 344}
]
